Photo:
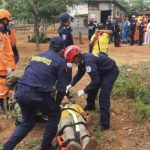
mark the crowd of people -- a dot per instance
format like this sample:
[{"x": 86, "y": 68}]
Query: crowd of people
[{"x": 133, "y": 31}]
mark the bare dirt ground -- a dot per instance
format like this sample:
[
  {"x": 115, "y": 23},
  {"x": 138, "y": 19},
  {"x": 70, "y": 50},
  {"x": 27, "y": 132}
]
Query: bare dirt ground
[{"x": 124, "y": 133}]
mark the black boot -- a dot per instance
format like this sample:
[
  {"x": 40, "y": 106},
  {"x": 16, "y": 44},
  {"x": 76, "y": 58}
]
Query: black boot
[{"x": 102, "y": 127}]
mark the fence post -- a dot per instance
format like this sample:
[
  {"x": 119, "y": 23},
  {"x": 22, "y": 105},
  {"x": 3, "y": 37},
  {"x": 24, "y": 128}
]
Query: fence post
[{"x": 80, "y": 38}]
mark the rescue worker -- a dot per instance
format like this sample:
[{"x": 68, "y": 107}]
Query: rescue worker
[
  {"x": 109, "y": 23},
  {"x": 91, "y": 28},
  {"x": 132, "y": 30},
  {"x": 109, "y": 26},
  {"x": 7, "y": 63},
  {"x": 117, "y": 32},
  {"x": 73, "y": 127},
  {"x": 137, "y": 32},
  {"x": 103, "y": 72},
  {"x": 33, "y": 93},
  {"x": 6, "y": 54},
  {"x": 65, "y": 33},
  {"x": 141, "y": 32},
  {"x": 100, "y": 40}
]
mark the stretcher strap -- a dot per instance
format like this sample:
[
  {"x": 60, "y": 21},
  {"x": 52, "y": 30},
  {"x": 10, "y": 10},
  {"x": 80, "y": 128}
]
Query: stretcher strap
[
  {"x": 70, "y": 125},
  {"x": 84, "y": 136}
]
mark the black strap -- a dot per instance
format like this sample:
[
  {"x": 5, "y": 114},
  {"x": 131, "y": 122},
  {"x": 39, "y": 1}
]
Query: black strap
[
  {"x": 70, "y": 125},
  {"x": 99, "y": 46},
  {"x": 2, "y": 76},
  {"x": 77, "y": 136},
  {"x": 84, "y": 136},
  {"x": 64, "y": 144}
]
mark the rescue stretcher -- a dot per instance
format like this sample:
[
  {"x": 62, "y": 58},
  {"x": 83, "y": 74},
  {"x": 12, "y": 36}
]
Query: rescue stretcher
[{"x": 62, "y": 145}]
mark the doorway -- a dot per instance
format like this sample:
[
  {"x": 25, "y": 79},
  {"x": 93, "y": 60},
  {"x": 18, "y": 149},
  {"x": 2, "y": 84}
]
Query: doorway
[{"x": 104, "y": 15}]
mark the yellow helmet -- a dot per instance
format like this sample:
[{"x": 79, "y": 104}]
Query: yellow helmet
[{"x": 5, "y": 14}]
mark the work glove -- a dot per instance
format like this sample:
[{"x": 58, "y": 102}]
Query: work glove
[
  {"x": 81, "y": 92},
  {"x": 68, "y": 88},
  {"x": 9, "y": 70},
  {"x": 69, "y": 65}
]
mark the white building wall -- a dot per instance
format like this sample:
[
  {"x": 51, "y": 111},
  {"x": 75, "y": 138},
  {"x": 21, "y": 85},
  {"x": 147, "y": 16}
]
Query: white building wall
[
  {"x": 77, "y": 10},
  {"x": 85, "y": 11}
]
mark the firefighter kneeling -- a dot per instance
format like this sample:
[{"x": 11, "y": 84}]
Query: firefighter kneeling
[{"x": 73, "y": 131}]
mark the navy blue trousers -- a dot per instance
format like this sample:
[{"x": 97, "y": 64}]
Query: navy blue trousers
[
  {"x": 107, "y": 82},
  {"x": 30, "y": 101}
]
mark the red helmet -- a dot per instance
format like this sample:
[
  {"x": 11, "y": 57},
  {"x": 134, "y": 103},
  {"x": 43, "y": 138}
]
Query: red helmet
[{"x": 71, "y": 52}]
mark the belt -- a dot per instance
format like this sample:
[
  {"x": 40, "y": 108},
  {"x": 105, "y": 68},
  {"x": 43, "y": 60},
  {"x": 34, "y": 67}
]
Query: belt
[{"x": 3, "y": 76}]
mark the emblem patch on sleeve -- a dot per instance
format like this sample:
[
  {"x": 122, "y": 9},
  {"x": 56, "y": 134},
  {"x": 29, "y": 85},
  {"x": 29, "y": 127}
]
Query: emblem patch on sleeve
[
  {"x": 64, "y": 36},
  {"x": 88, "y": 69}
]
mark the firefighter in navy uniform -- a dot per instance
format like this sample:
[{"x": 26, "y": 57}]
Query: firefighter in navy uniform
[
  {"x": 91, "y": 28},
  {"x": 117, "y": 32},
  {"x": 132, "y": 30},
  {"x": 103, "y": 72},
  {"x": 109, "y": 25},
  {"x": 33, "y": 93},
  {"x": 65, "y": 33}
]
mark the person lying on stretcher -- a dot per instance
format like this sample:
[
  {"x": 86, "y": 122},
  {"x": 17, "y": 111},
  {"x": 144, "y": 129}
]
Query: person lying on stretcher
[{"x": 73, "y": 127}]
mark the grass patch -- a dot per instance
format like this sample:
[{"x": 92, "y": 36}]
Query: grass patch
[
  {"x": 142, "y": 111},
  {"x": 33, "y": 144},
  {"x": 133, "y": 84},
  {"x": 98, "y": 135}
]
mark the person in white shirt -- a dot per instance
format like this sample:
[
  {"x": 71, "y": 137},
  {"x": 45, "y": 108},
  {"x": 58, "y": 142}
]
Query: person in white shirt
[{"x": 147, "y": 34}]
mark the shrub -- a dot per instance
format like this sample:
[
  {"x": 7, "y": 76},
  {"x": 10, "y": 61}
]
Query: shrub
[
  {"x": 43, "y": 38},
  {"x": 131, "y": 86}
]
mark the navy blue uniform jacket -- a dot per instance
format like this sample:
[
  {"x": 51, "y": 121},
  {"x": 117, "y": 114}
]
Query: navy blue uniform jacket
[
  {"x": 95, "y": 66},
  {"x": 44, "y": 71},
  {"x": 65, "y": 34}
]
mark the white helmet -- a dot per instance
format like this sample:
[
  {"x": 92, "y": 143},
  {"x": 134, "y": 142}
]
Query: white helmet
[{"x": 133, "y": 16}]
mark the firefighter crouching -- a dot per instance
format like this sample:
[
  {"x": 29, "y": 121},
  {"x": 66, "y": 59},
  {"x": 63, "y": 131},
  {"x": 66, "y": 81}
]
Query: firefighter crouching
[{"x": 33, "y": 93}]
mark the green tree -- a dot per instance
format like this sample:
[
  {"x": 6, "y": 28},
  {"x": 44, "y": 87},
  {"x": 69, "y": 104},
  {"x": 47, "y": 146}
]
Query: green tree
[
  {"x": 37, "y": 10},
  {"x": 132, "y": 5}
]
